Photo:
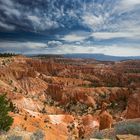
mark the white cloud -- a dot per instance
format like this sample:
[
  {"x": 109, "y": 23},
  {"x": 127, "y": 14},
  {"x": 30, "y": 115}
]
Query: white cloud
[
  {"x": 113, "y": 35},
  {"x": 54, "y": 42},
  {"x": 37, "y": 47},
  {"x": 33, "y": 18},
  {"x": 129, "y": 32},
  {"x": 7, "y": 2},
  {"x": 42, "y": 23},
  {"x": 21, "y": 47},
  {"x": 97, "y": 22},
  {"x": 29, "y": 17},
  {"x": 126, "y": 6},
  {"x": 9, "y": 8},
  {"x": 33, "y": 45},
  {"x": 115, "y": 50},
  {"x": 120, "y": 50},
  {"x": 6, "y": 26},
  {"x": 93, "y": 20},
  {"x": 129, "y": 3},
  {"x": 73, "y": 37}
]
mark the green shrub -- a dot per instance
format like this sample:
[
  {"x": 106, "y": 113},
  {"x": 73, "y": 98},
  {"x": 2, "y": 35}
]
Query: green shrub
[
  {"x": 10, "y": 82},
  {"x": 5, "y": 120},
  {"x": 15, "y": 89},
  {"x": 3, "y": 63}
]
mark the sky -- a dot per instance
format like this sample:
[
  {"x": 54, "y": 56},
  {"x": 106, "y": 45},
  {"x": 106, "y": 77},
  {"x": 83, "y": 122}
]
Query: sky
[{"x": 110, "y": 27}]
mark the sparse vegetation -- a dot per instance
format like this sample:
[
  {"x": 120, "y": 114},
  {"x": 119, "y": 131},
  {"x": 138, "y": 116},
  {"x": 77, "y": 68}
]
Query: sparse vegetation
[
  {"x": 14, "y": 137},
  {"x": 38, "y": 135},
  {"x": 15, "y": 89},
  {"x": 76, "y": 107},
  {"x": 113, "y": 105},
  {"x": 10, "y": 82},
  {"x": 49, "y": 101},
  {"x": 73, "y": 132}
]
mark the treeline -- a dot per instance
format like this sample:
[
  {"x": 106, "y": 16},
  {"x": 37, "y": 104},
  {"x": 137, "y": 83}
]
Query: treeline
[{"x": 7, "y": 54}]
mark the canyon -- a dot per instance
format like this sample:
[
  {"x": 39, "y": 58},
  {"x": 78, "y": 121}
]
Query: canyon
[{"x": 71, "y": 98}]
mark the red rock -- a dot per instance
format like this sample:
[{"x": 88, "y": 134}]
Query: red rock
[
  {"x": 133, "y": 107},
  {"x": 105, "y": 120}
]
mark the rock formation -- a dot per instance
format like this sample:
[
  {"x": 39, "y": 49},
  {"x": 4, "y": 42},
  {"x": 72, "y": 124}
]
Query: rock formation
[{"x": 71, "y": 98}]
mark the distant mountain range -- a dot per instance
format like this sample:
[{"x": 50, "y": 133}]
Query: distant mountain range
[{"x": 102, "y": 57}]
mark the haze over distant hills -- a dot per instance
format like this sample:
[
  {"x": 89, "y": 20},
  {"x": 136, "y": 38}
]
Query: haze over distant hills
[
  {"x": 101, "y": 57},
  {"x": 98, "y": 56}
]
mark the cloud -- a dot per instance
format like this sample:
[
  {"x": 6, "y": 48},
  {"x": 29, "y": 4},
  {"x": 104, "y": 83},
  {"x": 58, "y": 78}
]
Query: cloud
[
  {"x": 71, "y": 25},
  {"x": 41, "y": 48},
  {"x": 9, "y": 8},
  {"x": 54, "y": 43},
  {"x": 76, "y": 36},
  {"x": 122, "y": 50},
  {"x": 26, "y": 17},
  {"x": 33, "y": 18},
  {"x": 6, "y": 26},
  {"x": 42, "y": 23},
  {"x": 73, "y": 37},
  {"x": 113, "y": 35},
  {"x": 48, "y": 15},
  {"x": 129, "y": 4},
  {"x": 7, "y": 2},
  {"x": 115, "y": 50},
  {"x": 93, "y": 21},
  {"x": 21, "y": 47}
]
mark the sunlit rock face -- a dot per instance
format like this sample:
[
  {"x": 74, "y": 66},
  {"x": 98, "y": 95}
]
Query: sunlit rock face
[
  {"x": 106, "y": 120},
  {"x": 133, "y": 108}
]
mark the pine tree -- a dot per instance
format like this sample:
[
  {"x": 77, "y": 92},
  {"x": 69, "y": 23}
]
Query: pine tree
[{"x": 5, "y": 120}]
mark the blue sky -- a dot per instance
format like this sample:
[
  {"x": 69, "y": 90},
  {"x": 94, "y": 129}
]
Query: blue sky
[{"x": 111, "y": 27}]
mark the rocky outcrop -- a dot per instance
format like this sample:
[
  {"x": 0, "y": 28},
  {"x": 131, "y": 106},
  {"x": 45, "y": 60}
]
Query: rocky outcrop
[
  {"x": 133, "y": 107},
  {"x": 90, "y": 123},
  {"x": 119, "y": 128},
  {"x": 105, "y": 120},
  {"x": 127, "y": 137},
  {"x": 65, "y": 95}
]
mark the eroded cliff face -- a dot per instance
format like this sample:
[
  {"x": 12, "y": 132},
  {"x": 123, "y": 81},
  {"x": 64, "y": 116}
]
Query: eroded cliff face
[
  {"x": 133, "y": 107},
  {"x": 69, "y": 98}
]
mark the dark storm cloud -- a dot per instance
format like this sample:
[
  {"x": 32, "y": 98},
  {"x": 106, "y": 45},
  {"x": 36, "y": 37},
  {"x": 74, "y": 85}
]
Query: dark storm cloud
[
  {"x": 39, "y": 15},
  {"x": 44, "y": 15}
]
